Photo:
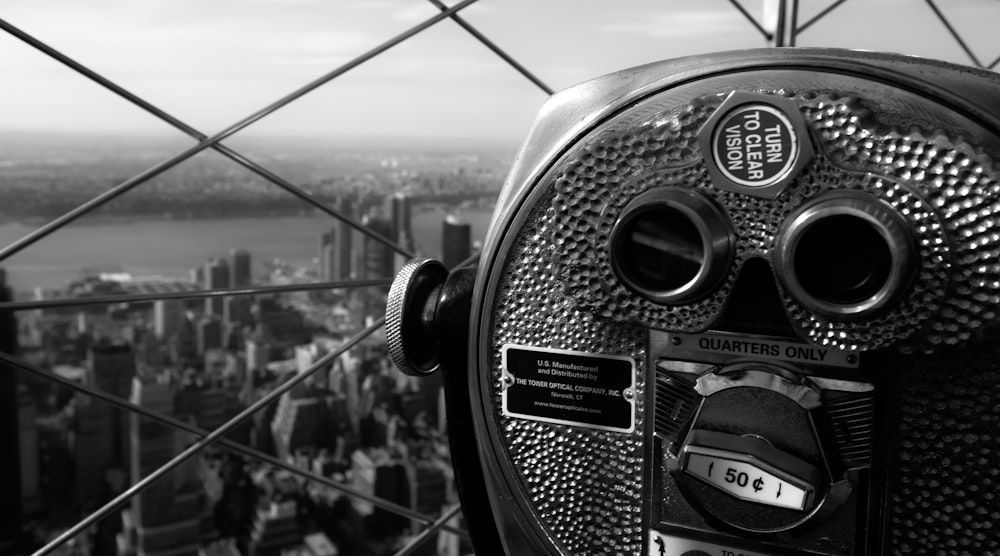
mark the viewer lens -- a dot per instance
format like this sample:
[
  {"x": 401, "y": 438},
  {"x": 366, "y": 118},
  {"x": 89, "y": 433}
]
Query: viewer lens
[
  {"x": 842, "y": 260},
  {"x": 845, "y": 255},
  {"x": 671, "y": 245},
  {"x": 662, "y": 249}
]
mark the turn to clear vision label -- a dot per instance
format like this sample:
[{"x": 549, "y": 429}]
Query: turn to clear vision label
[
  {"x": 569, "y": 387},
  {"x": 755, "y": 145}
]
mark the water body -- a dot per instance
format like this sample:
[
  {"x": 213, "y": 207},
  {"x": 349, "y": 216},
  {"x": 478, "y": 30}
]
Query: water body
[{"x": 173, "y": 247}]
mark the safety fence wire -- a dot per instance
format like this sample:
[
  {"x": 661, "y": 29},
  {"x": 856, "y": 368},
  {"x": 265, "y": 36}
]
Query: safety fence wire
[
  {"x": 225, "y": 133},
  {"x": 204, "y": 442},
  {"x": 228, "y": 444},
  {"x": 214, "y": 142}
]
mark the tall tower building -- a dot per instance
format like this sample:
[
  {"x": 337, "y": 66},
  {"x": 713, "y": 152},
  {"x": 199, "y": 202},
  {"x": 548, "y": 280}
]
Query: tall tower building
[
  {"x": 168, "y": 317},
  {"x": 31, "y": 496},
  {"x": 236, "y": 310},
  {"x": 111, "y": 368},
  {"x": 92, "y": 446},
  {"x": 327, "y": 256},
  {"x": 456, "y": 241},
  {"x": 10, "y": 463},
  {"x": 400, "y": 215},
  {"x": 342, "y": 251},
  {"x": 165, "y": 517},
  {"x": 216, "y": 276},
  {"x": 242, "y": 268},
  {"x": 378, "y": 258},
  {"x": 208, "y": 334}
]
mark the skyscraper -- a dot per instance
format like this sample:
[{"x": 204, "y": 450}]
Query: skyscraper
[
  {"x": 216, "y": 276},
  {"x": 400, "y": 213},
  {"x": 111, "y": 367},
  {"x": 327, "y": 256},
  {"x": 456, "y": 241},
  {"x": 10, "y": 473},
  {"x": 168, "y": 317},
  {"x": 378, "y": 258},
  {"x": 335, "y": 249},
  {"x": 93, "y": 447},
  {"x": 165, "y": 516},
  {"x": 236, "y": 310},
  {"x": 208, "y": 334},
  {"x": 31, "y": 496},
  {"x": 241, "y": 267},
  {"x": 342, "y": 243}
]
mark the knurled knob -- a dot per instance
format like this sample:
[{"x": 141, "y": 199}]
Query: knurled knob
[{"x": 409, "y": 316}]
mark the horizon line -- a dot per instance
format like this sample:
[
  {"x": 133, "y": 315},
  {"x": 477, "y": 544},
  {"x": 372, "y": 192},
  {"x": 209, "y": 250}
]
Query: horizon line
[{"x": 169, "y": 135}]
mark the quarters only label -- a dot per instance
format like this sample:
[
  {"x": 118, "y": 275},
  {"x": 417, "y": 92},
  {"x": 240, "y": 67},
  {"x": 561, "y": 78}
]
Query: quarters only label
[{"x": 569, "y": 387}]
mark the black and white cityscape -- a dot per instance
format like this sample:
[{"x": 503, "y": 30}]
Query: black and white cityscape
[
  {"x": 355, "y": 422},
  {"x": 243, "y": 292}
]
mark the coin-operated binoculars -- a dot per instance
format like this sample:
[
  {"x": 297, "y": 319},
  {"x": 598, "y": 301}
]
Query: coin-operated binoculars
[{"x": 736, "y": 304}]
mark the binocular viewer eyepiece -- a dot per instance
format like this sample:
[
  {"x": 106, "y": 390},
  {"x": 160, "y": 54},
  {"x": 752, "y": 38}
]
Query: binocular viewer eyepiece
[{"x": 742, "y": 303}]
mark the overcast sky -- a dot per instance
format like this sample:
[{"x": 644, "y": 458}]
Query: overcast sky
[{"x": 211, "y": 62}]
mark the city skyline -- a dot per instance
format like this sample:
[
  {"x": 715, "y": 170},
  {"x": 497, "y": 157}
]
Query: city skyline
[
  {"x": 211, "y": 64},
  {"x": 354, "y": 420}
]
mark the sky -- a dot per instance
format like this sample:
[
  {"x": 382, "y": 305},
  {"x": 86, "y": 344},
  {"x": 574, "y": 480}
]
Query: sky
[{"x": 212, "y": 62}]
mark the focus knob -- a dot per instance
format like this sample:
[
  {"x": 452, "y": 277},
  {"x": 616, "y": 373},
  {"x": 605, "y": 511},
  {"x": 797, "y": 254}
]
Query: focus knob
[{"x": 410, "y": 328}]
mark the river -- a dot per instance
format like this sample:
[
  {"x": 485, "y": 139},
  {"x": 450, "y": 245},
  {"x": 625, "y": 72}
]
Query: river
[{"x": 173, "y": 247}]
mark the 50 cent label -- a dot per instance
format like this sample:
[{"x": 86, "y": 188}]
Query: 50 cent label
[{"x": 569, "y": 387}]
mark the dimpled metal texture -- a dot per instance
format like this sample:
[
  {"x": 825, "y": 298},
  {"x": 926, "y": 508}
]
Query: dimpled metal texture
[
  {"x": 946, "y": 484},
  {"x": 946, "y": 192},
  {"x": 960, "y": 185},
  {"x": 584, "y": 485}
]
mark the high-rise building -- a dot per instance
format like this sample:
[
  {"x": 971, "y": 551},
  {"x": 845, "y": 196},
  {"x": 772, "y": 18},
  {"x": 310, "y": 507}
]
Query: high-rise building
[
  {"x": 258, "y": 355},
  {"x": 275, "y": 528},
  {"x": 335, "y": 249},
  {"x": 241, "y": 267},
  {"x": 378, "y": 257},
  {"x": 93, "y": 447},
  {"x": 10, "y": 476},
  {"x": 399, "y": 214},
  {"x": 456, "y": 241},
  {"x": 168, "y": 317},
  {"x": 431, "y": 486},
  {"x": 327, "y": 256},
  {"x": 165, "y": 517},
  {"x": 402, "y": 232},
  {"x": 31, "y": 496},
  {"x": 208, "y": 334},
  {"x": 216, "y": 277},
  {"x": 342, "y": 244},
  {"x": 236, "y": 310},
  {"x": 111, "y": 368}
]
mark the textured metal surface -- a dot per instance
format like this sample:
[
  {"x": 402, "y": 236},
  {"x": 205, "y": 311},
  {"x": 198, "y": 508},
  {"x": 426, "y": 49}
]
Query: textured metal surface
[
  {"x": 584, "y": 485},
  {"x": 946, "y": 480},
  {"x": 556, "y": 288},
  {"x": 946, "y": 191},
  {"x": 395, "y": 315}
]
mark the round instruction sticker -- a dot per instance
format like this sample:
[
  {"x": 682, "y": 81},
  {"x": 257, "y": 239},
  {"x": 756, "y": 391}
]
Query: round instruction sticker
[{"x": 755, "y": 145}]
